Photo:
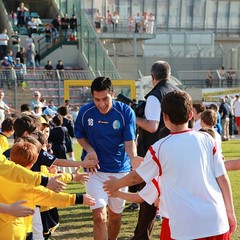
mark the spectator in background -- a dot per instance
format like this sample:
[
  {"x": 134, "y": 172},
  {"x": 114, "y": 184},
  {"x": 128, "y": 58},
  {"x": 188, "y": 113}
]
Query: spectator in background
[
  {"x": 115, "y": 20},
  {"x": 21, "y": 14},
  {"x": 49, "y": 68},
  {"x": 31, "y": 57},
  {"x": 108, "y": 19},
  {"x": 138, "y": 21},
  {"x": 37, "y": 59},
  {"x": 221, "y": 75},
  {"x": 4, "y": 38},
  {"x": 60, "y": 68},
  {"x": 73, "y": 24},
  {"x": 29, "y": 40},
  {"x": 56, "y": 24},
  {"x": 32, "y": 25},
  {"x": 224, "y": 111},
  {"x": 6, "y": 72},
  {"x": 65, "y": 26},
  {"x": 48, "y": 34},
  {"x": 18, "y": 66},
  {"x": 97, "y": 20},
  {"x": 13, "y": 18},
  {"x": 130, "y": 23},
  {"x": 36, "y": 100},
  {"x": 151, "y": 20},
  {"x": 10, "y": 58},
  {"x": 16, "y": 43},
  {"x": 21, "y": 54}
]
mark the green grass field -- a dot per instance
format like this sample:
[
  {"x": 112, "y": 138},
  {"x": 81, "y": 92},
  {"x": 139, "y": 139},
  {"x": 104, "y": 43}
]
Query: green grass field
[{"x": 76, "y": 222}]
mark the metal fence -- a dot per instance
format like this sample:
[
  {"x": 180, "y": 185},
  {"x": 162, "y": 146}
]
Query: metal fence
[
  {"x": 19, "y": 85},
  {"x": 200, "y": 79}
]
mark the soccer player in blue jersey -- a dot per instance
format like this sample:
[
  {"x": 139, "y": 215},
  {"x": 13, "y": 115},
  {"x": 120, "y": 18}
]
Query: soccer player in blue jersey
[{"x": 106, "y": 130}]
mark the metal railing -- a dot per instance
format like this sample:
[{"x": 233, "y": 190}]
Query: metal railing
[
  {"x": 51, "y": 84},
  {"x": 199, "y": 79},
  {"x": 92, "y": 49}
]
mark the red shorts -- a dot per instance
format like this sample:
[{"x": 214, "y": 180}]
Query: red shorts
[
  {"x": 237, "y": 121},
  {"x": 166, "y": 234}
]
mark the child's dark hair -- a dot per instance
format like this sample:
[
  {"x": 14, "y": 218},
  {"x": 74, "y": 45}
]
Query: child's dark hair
[
  {"x": 23, "y": 124},
  {"x": 101, "y": 84},
  {"x": 214, "y": 107},
  {"x": 199, "y": 107},
  {"x": 57, "y": 120},
  {"x": 63, "y": 111},
  {"x": 25, "y": 107},
  {"x": 178, "y": 106},
  {"x": 7, "y": 124}
]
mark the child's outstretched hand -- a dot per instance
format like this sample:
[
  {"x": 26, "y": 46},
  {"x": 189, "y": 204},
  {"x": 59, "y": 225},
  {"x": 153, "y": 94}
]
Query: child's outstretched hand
[
  {"x": 88, "y": 200},
  {"x": 17, "y": 210},
  {"x": 80, "y": 177}
]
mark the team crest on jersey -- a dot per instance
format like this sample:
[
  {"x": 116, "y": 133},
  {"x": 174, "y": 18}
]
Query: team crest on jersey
[{"x": 116, "y": 124}]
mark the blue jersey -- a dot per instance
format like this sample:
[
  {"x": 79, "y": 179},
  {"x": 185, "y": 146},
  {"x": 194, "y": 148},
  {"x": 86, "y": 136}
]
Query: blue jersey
[{"x": 107, "y": 134}]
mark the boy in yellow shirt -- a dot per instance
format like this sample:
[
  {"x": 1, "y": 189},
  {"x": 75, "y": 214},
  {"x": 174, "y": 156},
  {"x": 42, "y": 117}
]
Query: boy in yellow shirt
[{"x": 17, "y": 227}]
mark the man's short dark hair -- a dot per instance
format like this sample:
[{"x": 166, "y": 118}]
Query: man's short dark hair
[
  {"x": 161, "y": 70},
  {"x": 178, "y": 106},
  {"x": 101, "y": 84}
]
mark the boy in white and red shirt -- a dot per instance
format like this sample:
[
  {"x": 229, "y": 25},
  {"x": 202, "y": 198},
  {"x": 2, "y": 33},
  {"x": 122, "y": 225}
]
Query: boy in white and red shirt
[{"x": 195, "y": 188}]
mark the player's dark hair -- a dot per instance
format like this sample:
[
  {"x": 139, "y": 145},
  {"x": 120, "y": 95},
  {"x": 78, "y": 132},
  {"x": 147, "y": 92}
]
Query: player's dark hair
[
  {"x": 101, "y": 84},
  {"x": 178, "y": 106}
]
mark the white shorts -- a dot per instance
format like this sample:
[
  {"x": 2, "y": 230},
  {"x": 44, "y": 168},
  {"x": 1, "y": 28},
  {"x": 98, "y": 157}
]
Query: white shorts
[{"x": 94, "y": 187}]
